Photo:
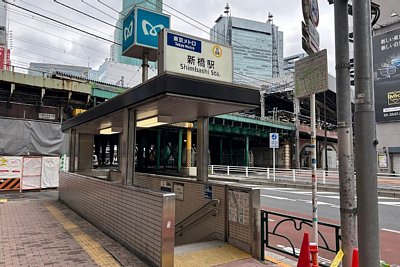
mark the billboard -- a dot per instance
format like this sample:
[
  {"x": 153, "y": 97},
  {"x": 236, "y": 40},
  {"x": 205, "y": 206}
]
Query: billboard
[
  {"x": 386, "y": 48},
  {"x": 140, "y": 32},
  {"x": 184, "y": 54}
]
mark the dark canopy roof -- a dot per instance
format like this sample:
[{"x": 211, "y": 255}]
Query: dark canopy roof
[{"x": 181, "y": 98}]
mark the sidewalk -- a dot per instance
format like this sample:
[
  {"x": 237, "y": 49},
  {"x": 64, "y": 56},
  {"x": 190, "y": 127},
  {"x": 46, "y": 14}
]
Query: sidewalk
[{"x": 37, "y": 230}]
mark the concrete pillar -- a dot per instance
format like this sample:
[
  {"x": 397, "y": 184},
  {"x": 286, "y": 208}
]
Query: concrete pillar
[
  {"x": 72, "y": 150},
  {"x": 202, "y": 149},
  {"x": 127, "y": 147},
  {"x": 179, "y": 160},
  {"x": 247, "y": 151},
  {"x": 221, "y": 151},
  {"x": 85, "y": 152},
  {"x": 158, "y": 150}
]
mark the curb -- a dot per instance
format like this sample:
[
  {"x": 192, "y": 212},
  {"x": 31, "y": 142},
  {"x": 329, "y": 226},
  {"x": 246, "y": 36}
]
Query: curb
[{"x": 327, "y": 188}]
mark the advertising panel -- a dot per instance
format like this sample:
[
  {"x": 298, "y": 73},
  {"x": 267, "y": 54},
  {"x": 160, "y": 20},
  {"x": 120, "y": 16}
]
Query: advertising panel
[
  {"x": 193, "y": 56},
  {"x": 386, "y": 49}
]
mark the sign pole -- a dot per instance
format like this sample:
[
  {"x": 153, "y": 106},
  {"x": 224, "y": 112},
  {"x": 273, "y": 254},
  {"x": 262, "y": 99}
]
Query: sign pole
[
  {"x": 314, "y": 168},
  {"x": 145, "y": 66},
  {"x": 348, "y": 216},
  {"x": 365, "y": 137},
  {"x": 273, "y": 163}
]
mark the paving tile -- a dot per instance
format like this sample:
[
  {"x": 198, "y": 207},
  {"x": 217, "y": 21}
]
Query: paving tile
[{"x": 31, "y": 236}]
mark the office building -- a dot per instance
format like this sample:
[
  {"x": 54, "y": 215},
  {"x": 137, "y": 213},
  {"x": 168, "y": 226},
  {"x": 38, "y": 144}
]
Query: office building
[
  {"x": 253, "y": 45},
  {"x": 386, "y": 51}
]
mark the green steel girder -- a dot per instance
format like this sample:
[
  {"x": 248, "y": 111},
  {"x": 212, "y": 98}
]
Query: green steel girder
[
  {"x": 253, "y": 121},
  {"x": 228, "y": 129}
]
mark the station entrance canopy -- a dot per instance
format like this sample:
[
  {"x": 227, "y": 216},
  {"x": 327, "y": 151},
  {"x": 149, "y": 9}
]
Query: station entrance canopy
[
  {"x": 170, "y": 97},
  {"x": 167, "y": 98}
]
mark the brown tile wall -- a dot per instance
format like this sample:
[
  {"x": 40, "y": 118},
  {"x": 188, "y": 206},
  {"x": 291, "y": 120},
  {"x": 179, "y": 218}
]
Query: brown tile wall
[{"x": 129, "y": 215}]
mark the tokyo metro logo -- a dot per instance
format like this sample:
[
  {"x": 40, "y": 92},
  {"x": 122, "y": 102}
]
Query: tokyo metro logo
[{"x": 149, "y": 29}]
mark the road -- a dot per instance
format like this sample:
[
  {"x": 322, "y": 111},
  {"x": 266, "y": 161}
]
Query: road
[{"x": 297, "y": 202}]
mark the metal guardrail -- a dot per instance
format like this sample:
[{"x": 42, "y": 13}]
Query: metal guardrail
[
  {"x": 298, "y": 224},
  {"x": 210, "y": 208},
  {"x": 330, "y": 177}
]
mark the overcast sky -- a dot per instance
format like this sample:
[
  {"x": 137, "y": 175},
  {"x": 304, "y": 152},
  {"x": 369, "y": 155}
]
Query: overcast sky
[{"x": 37, "y": 41}]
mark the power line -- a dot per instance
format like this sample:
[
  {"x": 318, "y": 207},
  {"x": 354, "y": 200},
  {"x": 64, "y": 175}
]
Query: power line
[
  {"x": 44, "y": 21},
  {"x": 62, "y": 23},
  {"x": 101, "y": 11},
  {"x": 113, "y": 9},
  {"x": 57, "y": 36},
  {"x": 57, "y": 49},
  {"x": 83, "y": 13}
]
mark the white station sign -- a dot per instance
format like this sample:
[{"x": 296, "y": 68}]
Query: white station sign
[{"x": 188, "y": 55}]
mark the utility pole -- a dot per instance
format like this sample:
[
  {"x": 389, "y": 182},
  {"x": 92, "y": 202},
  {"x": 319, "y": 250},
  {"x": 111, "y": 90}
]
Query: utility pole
[
  {"x": 365, "y": 137},
  {"x": 345, "y": 134}
]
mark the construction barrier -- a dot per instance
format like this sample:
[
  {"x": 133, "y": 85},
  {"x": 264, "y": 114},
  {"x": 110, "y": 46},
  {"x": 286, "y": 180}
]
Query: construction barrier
[
  {"x": 10, "y": 173},
  {"x": 10, "y": 184},
  {"x": 32, "y": 173},
  {"x": 28, "y": 172}
]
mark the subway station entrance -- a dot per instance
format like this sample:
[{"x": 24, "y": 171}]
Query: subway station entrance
[{"x": 151, "y": 214}]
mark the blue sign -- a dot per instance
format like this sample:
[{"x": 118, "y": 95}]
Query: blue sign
[
  {"x": 208, "y": 191},
  {"x": 183, "y": 42},
  {"x": 273, "y": 140},
  {"x": 127, "y": 31},
  {"x": 148, "y": 25}
]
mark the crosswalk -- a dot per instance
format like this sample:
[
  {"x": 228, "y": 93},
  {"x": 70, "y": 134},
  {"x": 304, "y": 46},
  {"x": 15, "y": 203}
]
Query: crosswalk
[{"x": 324, "y": 198}]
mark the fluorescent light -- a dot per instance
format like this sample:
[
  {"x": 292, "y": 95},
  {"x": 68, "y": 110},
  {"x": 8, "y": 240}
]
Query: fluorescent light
[
  {"x": 110, "y": 130},
  {"x": 154, "y": 121}
]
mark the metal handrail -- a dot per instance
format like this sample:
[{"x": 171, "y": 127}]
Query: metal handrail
[
  {"x": 298, "y": 223},
  {"x": 179, "y": 227}
]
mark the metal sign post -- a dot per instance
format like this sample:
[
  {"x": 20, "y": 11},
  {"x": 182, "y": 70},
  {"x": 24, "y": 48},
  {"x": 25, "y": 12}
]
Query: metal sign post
[
  {"x": 273, "y": 143},
  {"x": 311, "y": 77}
]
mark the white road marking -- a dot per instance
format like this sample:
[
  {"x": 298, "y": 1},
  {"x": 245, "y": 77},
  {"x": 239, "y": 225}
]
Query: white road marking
[
  {"x": 280, "y": 198},
  {"x": 389, "y": 230},
  {"x": 395, "y": 204}
]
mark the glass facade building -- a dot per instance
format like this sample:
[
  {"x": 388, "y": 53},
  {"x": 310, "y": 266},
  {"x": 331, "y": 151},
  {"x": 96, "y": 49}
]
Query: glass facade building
[
  {"x": 252, "y": 48},
  {"x": 127, "y": 6}
]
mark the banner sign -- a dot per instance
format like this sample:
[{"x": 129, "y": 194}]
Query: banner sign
[
  {"x": 386, "y": 49},
  {"x": 189, "y": 55}
]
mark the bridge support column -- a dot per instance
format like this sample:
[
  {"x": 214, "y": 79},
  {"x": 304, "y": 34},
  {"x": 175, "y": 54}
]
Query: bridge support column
[
  {"x": 189, "y": 147},
  {"x": 158, "y": 148},
  {"x": 247, "y": 151},
  {"x": 179, "y": 160},
  {"x": 202, "y": 149},
  {"x": 286, "y": 154}
]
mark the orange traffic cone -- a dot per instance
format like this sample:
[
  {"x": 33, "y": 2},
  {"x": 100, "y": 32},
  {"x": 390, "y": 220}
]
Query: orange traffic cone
[
  {"x": 354, "y": 261},
  {"x": 304, "y": 257}
]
